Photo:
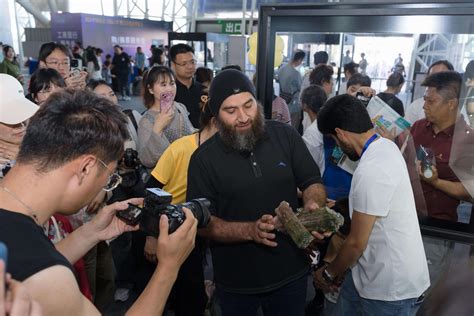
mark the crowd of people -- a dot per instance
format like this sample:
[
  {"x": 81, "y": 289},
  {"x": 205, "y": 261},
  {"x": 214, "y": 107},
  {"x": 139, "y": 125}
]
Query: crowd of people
[{"x": 71, "y": 159}]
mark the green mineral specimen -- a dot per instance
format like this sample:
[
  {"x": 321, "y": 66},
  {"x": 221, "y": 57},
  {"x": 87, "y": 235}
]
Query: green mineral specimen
[
  {"x": 300, "y": 225},
  {"x": 322, "y": 220},
  {"x": 300, "y": 235}
]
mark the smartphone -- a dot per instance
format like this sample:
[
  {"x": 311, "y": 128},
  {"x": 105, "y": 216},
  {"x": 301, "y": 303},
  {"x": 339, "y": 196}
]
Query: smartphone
[
  {"x": 166, "y": 101},
  {"x": 76, "y": 64}
]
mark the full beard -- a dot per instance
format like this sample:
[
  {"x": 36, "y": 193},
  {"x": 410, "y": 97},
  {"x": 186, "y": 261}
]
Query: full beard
[
  {"x": 350, "y": 153},
  {"x": 244, "y": 141}
]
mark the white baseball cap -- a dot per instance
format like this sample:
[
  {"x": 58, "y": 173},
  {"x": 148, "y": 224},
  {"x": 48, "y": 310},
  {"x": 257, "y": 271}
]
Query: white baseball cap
[{"x": 14, "y": 107}]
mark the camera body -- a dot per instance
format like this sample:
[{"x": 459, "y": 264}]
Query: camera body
[
  {"x": 157, "y": 203},
  {"x": 365, "y": 100},
  {"x": 130, "y": 158}
]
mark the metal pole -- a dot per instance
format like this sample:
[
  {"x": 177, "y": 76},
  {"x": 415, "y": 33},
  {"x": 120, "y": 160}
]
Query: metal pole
[
  {"x": 115, "y": 8},
  {"x": 193, "y": 18},
  {"x": 252, "y": 10},
  {"x": 102, "y": 6},
  {"x": 33, "y": 11},
  {"x": 173, "y": 13},
  {"x": 146, "y": 10},
  {"x": 20, "y": 46},
  {"x": 52, "y": 6},
  {"x": 128, "y": 8},
  {"x": 163, "y": 10},
  {"x": 244, "y": 12}
]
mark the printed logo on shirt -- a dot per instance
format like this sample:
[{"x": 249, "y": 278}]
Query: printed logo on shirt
[{"x": 281, "y": 164}]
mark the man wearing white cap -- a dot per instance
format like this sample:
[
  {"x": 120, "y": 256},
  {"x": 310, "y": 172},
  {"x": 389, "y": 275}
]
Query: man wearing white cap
[{"x": 15, "y": 110}]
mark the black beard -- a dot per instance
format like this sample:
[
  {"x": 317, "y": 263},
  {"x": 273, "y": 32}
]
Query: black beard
[
  {"x": 244, "y": 141},
  {"x": 350, "y": 153}
]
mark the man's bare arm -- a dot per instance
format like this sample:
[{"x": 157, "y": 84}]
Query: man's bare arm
[
  {"x": 237, "y": 232},
  {"x": 57, "y": 292},
  {"x": 453, "y": 189}
]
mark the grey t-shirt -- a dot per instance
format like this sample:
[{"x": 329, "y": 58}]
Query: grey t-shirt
[{"x": 290, "y": 82}]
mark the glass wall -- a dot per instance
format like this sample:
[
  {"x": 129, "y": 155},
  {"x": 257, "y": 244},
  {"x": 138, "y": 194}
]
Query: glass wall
[{"x": 403, "y": 38}]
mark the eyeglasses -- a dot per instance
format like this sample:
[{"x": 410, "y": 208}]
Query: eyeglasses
[
  {"x": 192, "y": 62},
  {"x": 114, "y": 178},
  {"x": 56, "y": 63}
]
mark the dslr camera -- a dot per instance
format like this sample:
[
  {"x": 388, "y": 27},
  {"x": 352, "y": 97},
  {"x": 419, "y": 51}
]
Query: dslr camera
[{"x": 156, "y": 203}]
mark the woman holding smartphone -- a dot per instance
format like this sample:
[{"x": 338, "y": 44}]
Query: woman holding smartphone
[{"x": 165, "y": 120}]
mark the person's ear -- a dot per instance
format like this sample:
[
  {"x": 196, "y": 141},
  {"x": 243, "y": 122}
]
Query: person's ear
[
  {"x": 340, "y": 134},
  {"x": 150, "y": 90},
  {"x": 85, "y": 167},
  {"x": 453, "y": 104},
  {"x": 42, "y": 64}
]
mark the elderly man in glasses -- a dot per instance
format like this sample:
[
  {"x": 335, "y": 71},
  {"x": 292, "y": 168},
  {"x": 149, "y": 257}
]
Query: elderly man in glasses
[{"x": 68, "y": 154}]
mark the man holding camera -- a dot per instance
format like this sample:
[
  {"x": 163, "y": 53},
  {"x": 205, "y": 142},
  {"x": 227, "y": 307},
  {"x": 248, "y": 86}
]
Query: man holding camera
[
  {"x": 67, "y": 156},
  {"x": 245, "y": 171}
]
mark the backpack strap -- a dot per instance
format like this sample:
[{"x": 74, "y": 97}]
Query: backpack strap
[{"x": 129, "y": 113}]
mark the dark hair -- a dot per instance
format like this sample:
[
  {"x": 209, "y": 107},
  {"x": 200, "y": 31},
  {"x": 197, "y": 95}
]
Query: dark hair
[
  {"x": 298, "y": 55},
  {"x": 232, "y": 66},
  {"x": 321, "y": 74},
  {"x": 320, "y": 57},
  {"x": 42, "y": 78},
  {"x": 206, "y": 116},
  {"x": 156, "y": 56},
  {"x": 443, "y": 62},
  {"x": 204, "y": 74},
  {"x": 150, "y": 77},
  {"x": 362, "y": 80},
  {"x": 179, "y": 49},
  {"x": 91, "y": 85},
  {"x": 99, "y": 51},
  {"x": 313, "y": 97},
  {"x": 91, "y": 56},
  {"x": 47, "y": 48},
  {"x": 345, "y": 112},
  {"x": 447, "y": 84},
  {"x": 117, "y": 46},
  {"x": 6, "y": 48},
  {"x": 351, "y": 67},
  {"x": 395, "y": 79},
  {"x": 73, "y": 123},
  {"x": 108, "y": 56},
  {"x": 469, "y": 73}
]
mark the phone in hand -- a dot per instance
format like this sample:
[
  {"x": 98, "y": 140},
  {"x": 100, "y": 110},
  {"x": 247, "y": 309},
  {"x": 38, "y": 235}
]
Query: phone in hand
[{"x": 166, "y": 101}]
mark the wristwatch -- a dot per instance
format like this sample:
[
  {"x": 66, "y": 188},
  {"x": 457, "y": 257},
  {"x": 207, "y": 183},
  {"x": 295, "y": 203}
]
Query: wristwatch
[{"x": 327, "y": 276}]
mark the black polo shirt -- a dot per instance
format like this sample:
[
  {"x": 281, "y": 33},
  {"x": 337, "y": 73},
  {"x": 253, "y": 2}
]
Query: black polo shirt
[
  {"x": 190, "y": 97},
  {"x": 243, "y": 187}
]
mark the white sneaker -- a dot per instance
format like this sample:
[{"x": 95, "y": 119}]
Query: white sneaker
[
  {"x": 122, "y": 294},
  {"x": 126, "y": 98}
]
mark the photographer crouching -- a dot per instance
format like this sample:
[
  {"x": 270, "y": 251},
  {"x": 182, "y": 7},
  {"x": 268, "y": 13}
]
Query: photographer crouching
[{"x": 68, "y": 155}]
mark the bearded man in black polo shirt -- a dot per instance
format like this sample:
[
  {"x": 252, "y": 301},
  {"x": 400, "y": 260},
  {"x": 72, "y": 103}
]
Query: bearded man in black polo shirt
[
  {"x": 246, "y": 170},
  {"x": 188, "y": 90}
]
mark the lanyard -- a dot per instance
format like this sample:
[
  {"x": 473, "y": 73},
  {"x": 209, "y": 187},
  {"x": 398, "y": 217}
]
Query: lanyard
[{"x": 367, "y": 144}]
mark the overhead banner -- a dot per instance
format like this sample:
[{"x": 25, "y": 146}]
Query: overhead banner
[{"x": 106, "y": 31}]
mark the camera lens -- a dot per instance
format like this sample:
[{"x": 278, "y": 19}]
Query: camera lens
[{"x": 200, "y": 210}]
